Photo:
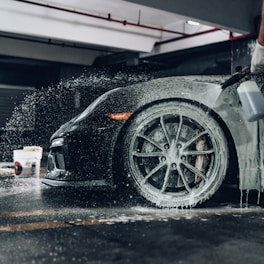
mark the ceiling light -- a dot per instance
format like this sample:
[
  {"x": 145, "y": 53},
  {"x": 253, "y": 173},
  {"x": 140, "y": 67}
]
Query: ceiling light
[{"x": 193, "y": 23}]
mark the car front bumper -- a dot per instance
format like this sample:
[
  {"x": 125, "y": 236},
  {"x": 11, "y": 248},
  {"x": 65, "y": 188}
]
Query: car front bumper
[{"x": 62, "y": 173}]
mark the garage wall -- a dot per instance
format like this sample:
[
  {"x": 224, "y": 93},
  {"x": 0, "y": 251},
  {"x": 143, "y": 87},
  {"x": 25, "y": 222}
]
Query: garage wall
[{"x": 10, "y": 97}]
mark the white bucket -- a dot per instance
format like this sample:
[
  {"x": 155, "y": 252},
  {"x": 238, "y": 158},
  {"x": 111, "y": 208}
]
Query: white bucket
[{"x": 27, "y": 161}]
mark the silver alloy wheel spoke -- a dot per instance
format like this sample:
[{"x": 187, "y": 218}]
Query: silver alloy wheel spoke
[
  {"x": 186, "y": 185},
  {"x": 164, "y": 129},
  {"x": 152, "y": 172},
  {"x": 194, "y": 170},
  {"x": 179, "y": 129},
  {"x": 189, "y": 142},
  {"x": 198, "y": 152},
  {"x": 166, "y": 179},
  {"x": 154, "y": 143},
  {"x": 147, "y": 154}
]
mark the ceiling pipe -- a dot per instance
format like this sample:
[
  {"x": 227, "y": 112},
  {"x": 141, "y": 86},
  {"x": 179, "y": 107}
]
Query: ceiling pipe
[
  {"x": 108, "y": 18},
  {"x": 187, "y": 36},
  {"x": 231, "y": 36}
]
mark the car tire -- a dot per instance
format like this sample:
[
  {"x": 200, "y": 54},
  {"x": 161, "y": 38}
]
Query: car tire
[{"x": 175, "y": 154}]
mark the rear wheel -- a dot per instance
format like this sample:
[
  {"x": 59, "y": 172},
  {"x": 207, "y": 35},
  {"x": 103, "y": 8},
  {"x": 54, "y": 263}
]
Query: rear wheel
[{"x": 175, "y": 154}]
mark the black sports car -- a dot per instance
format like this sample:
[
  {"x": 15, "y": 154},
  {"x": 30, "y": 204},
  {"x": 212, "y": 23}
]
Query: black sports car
[{"x": 174, "y": 139}]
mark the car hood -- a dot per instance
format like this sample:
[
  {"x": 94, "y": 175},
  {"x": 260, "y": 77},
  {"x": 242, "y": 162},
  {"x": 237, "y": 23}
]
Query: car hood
[{"x": 73, "y": 123}]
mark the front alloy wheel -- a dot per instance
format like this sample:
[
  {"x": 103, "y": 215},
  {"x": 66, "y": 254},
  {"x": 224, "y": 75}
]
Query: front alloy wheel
[{"x": 176, "y": 154}]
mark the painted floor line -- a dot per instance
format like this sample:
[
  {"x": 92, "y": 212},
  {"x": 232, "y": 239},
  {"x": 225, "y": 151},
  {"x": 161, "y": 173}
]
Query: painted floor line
[
  {"x": 50, "y": 225},
  {"x": 150, "y": 216},
  {"x": 26, "y": 213},
  {"x": 33, "y": 226},
  {"x": 142, "y": 211}
]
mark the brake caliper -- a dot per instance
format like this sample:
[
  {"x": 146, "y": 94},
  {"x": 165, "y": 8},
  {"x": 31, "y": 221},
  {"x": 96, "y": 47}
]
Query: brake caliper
[{"x": 202, "y": 160}]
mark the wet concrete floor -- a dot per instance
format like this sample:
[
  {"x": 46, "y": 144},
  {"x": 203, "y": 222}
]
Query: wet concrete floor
[{"x": 39, "y": 224}]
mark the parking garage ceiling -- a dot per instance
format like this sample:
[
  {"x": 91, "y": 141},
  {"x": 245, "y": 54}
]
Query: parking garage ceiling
[{"x": 79, "y": 31}]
